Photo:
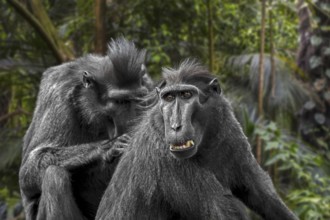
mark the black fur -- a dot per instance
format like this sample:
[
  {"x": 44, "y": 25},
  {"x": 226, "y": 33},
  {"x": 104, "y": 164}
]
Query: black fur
[
  {"x": 80, "y": 107},
  {"x": 151, "y": 182}
]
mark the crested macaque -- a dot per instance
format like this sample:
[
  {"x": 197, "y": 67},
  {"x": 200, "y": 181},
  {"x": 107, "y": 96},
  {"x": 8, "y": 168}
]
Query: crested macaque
[
  {"x": 189, "y": 159},
  {"x": 83, "y": 109}
]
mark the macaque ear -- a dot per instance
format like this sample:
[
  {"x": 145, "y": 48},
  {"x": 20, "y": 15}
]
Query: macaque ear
[
  {"x": 87, "y": 79},
  {"x": 214, "y": 86}
]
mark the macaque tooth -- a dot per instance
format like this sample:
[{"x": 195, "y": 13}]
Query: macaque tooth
[{"x": 188, "y": 144}]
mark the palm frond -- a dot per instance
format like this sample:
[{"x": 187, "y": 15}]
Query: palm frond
[{"x": 289, "y": 93}]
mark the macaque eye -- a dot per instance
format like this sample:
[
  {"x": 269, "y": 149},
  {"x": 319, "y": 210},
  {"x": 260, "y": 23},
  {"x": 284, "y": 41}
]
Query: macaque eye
[
  {"x": 186, "y": 94},
  {"x": 168, "y": 97}
]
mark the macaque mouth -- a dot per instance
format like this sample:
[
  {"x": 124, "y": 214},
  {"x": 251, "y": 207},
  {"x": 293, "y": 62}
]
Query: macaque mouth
[
  {"x": 183, "y": 150},
  {"x": 182, "y": 147}
]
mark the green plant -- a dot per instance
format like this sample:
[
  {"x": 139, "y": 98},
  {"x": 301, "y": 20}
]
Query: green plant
[{"x": 308, "y": 192}]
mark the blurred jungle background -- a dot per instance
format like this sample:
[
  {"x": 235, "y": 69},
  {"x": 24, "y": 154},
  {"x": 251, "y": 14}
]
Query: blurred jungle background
[{"x": 272, "y": 57}]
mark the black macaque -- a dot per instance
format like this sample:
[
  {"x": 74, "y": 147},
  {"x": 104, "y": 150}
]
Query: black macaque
[
  {"x": 70, "y": 148},
  {"x": 189, "y": 159}
]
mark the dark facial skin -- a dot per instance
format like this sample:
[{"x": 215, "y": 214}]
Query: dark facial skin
[{"x": 178, "y": 105}]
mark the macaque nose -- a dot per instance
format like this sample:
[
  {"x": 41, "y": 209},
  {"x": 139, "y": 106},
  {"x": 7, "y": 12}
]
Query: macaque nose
[{"x": 176, "y": 127}]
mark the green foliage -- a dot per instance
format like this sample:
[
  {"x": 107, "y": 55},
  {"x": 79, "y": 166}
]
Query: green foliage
[
  {"x": 9, "y": 198},
  {"x": 16, "y": 103},
  {"x": 308, "y": 193},
  {"x": 171, "y": 31}
]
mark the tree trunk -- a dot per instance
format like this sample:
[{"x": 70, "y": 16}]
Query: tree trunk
[
  {"x": 261, "y": 75},
  {"x": 272, "y": 170},
  {"x": 210, "y": 34},
  {"x": 272, "y": 52},
  {"x": 100, "y": 27},
  {"x": 314, "y": 59}
]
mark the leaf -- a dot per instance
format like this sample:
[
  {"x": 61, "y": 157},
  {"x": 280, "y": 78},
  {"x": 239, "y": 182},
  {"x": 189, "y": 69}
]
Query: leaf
[
  {"x": 326, "y": 96},
  {"x": 319, "y": 84},
  {"x": 285, "y": 167},
  {"x": 272, "y": 145},
  {"x": 156, "y": 58},
  {"x": 315, "y": 61},
  {"x": 272, "y": 126},
  {"x": 319, "y": 118},
  {"x": 309, "y": 105},
  {"x": 276, "y": 158},
  {"x": 315, "y": 40},
  {"x": 322, "y": 143},
  {"x": 326, "y": 51}
]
